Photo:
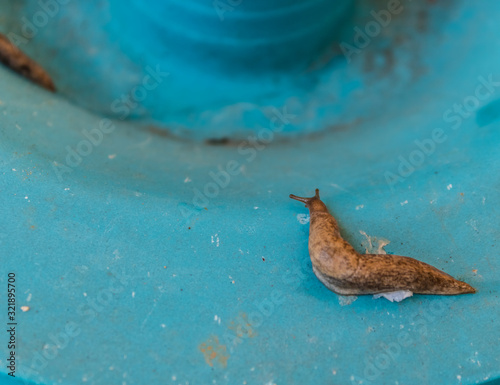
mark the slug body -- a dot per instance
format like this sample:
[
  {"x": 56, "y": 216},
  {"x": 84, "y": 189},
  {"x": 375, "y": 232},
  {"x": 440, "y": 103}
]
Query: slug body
[
  {"x": 15, "y": 59},
  {"x": 345, "y": 271}
]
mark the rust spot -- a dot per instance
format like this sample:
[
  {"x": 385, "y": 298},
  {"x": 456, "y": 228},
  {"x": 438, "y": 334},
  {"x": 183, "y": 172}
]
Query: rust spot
[
  {"x": 242, "y": 326},
  {"x": 214, "y": 353}
]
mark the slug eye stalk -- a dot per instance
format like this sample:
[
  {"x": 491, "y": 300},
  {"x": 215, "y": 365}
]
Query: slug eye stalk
[{"x": 305, "y": 200}]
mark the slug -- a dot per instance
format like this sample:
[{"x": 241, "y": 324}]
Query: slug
[
  {"x": 346, "y": 272},
  {"x": 19, "y": 62}
]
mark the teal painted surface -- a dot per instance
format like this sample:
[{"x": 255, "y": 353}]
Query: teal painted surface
[{"x": 149, "y": 273}]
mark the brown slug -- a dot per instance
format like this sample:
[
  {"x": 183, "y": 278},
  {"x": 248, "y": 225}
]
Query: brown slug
[
  {"x": 346, "y": 272},
  {"x": 19, "y": 62}
]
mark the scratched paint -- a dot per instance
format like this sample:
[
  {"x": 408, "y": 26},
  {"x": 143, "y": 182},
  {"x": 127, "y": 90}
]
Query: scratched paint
[
  {"x": 374, "y": 245},
  {"x": 303, "y": 218},
  {"x": 346, "y": 300},
  {"x": 215, "y": 354}
]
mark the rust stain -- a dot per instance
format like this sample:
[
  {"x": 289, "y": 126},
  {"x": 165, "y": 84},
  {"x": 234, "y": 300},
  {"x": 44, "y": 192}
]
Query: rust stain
[
  {"x": 214, "y": 352},
  {"x": 242, "y": 326}
]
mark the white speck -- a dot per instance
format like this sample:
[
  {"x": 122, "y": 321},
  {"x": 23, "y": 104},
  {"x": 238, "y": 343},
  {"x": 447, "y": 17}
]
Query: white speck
[
  {"x": 26, "y": 197},
  {"x": 133, "y": 294},
  {"x": 484, "y": 200},
  {"x": 84, "y": 294},
  {"x": 66, "y": 189},
  {"x": 84, "y": 378},
  {"x": 16, "y": 170},
  {"x": 433, "y": 201},
  {"x": 18, "y": 127},
  {"x": 459, "y": 377},
  {"x": 111, "y": 368},
  {"x": 449, "y": 187},
  {"x": 473, "y": 223},
  {"x": 111, "y": 156},
  {"x": 215, "y": 240},
  {"x": 187, "y": 180},
  {"x": 163, "y": 326},
  {"x": 303, "y": 218},
  {"x": 174, "y": 378},
  {"x": 401, "y": 326},
  {"x": 252, "y": 369},
  {"x": 29, "y": 297},
  {"x": 25, "y": 308},
  {"x": 359, "y": 207},
  {"x": 334, "y": 372},
  {"x": 256, "y": 207},
  {"x": 404, "y": 203},
  {"x": 137, "y": 193}
]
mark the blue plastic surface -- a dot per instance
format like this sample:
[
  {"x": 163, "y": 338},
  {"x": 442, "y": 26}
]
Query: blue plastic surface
[{"x": 138, "y": 269}]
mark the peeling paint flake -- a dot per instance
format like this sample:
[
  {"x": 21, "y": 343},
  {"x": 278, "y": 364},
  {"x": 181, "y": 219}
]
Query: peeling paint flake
[{"x": 346, "y": 300}]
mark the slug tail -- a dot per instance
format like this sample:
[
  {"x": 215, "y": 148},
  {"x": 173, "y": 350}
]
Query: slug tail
[{"x": 459, "y": 287}]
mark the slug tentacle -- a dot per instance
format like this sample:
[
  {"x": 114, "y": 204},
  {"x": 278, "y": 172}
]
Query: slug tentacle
[
  {"x": 345, "y": 271},
  {"x": 307, "y": 201}
]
